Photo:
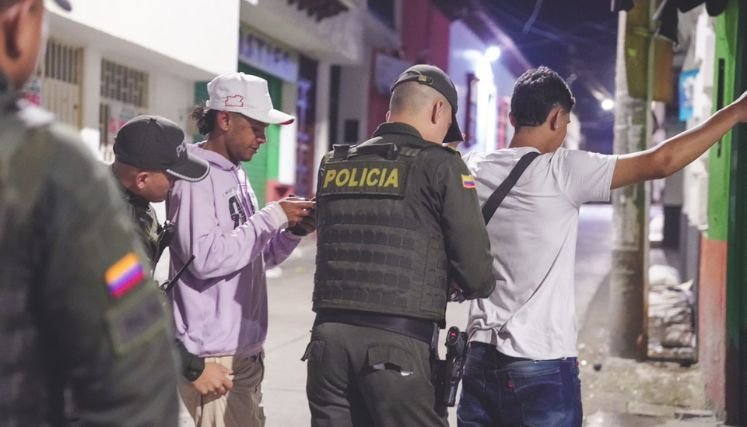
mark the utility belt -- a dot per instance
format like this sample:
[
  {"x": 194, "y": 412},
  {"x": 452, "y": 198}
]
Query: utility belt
[{"x": 419, "y": 329}]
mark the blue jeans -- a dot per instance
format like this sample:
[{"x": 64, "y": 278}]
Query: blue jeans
[{"x": 502, "y": 391}]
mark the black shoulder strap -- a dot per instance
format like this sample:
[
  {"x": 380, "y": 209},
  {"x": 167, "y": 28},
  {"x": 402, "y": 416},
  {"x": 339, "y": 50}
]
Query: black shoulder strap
[{"x": 502, "y": 191}]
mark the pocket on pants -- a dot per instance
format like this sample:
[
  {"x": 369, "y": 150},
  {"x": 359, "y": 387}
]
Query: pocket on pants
[
  {"x": 314, "y": 352},
  {"x": 539, "y": 390},
  {"x": 387, "y": 357}
]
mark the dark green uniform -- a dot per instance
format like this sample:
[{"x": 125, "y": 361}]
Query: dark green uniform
[
  {"x": 398, "y": 220},
  {"x": 77, "y": 307},
  {"x": 147, "y": 225},
  {"x": 150, "y": 231}
]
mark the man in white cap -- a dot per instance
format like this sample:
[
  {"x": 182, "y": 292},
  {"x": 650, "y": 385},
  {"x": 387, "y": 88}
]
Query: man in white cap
[{"x": 220, "y": 302}]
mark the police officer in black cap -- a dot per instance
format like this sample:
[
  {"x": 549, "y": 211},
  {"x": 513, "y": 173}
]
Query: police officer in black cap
[
  {"x": 78, "y": 310},
  {"x": 398, "y": 222},
  {"x": 150, "y": 153}
]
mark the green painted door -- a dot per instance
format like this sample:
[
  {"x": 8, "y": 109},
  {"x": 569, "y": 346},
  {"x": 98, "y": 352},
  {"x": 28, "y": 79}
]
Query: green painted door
[
  {"x": 730, "y": 206},
  {"x": 265, "y": 164}
]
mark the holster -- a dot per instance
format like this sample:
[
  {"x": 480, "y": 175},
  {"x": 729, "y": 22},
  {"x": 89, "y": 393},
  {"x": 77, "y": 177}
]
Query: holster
[{"x": 446, "y": 374}]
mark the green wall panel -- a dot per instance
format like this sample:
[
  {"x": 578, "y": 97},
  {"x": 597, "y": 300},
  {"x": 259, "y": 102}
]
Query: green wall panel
[
  {"x": 720, "y": 156},
  {"x": 734, "y": 47}
]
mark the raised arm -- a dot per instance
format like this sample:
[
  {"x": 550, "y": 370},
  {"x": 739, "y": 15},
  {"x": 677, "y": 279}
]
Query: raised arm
[{"x": 678, "y": 151}]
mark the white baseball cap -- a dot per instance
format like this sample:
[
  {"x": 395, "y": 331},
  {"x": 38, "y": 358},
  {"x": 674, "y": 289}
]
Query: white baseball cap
[{"x": 245, "y": 94}]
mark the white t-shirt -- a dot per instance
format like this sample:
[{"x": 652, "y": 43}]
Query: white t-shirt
[{"x": 532, "y": 312}]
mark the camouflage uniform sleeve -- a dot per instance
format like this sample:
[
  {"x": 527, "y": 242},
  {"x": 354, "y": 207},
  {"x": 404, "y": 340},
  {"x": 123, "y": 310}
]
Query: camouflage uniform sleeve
[
  {"x": 99, "y": 308},
  {"x": 467, "y": 243}
]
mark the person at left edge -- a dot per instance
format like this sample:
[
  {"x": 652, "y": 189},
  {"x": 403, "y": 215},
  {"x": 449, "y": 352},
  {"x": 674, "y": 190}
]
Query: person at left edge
[
  {"x": 78, "y": 310},
  {"x": 150, "y": 154}
]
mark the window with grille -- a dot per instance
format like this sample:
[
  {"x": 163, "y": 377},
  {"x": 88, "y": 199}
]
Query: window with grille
[
  {"x": 124, "y": 94},
  {"x": 124, "y": 84},
  {"x": 59, "y": 80}
]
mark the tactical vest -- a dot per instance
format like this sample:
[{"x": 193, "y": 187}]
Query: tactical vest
[{"x": 379, "y": 249}]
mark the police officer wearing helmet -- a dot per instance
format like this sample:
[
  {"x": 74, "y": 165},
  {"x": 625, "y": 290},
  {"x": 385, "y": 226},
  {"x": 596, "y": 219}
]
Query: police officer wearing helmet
[
  {"x": 398, "y": 222},
  {"x": 78, "y": 309}
]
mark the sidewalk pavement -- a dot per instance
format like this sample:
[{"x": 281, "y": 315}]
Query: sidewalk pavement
[{"x": 621, "y": 392}]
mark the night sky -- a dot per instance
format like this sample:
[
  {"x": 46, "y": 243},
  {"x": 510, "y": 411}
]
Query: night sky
[{"x": 576, "y": 38}]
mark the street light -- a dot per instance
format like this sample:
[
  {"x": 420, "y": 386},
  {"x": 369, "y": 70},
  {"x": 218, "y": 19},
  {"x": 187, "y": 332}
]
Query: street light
[
  {"x": 493, "y": 53},
  {"x": 607, "y": 104}
]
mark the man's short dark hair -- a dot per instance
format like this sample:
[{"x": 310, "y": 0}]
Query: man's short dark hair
[{"x": 536, "y": 92}]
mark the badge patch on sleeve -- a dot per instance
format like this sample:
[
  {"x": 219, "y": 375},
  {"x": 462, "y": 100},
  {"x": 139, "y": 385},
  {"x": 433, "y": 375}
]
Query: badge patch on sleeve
[
  {"x": 124, "y": 275},
  {"x": 468, "y": 181},
  {"x": 136, "y": 320}
]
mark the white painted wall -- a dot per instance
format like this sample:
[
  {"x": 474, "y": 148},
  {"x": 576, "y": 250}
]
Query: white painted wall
[
  {"x": 466, "y": 56},
  {"x": 355, "y": 79},
  {"x": 701, "y": 55},
  {"x": 322, "y": 130},
  {"x": 91, "y": 87},
  {"x": 337, "y": 38},
  {"x": 288, "y": 136},
  {"x": 168, "y": 95},
  {"x": 171, "y": 97},
  {"x": 354, "y": 83},
  {"x": 465, "y": 50},
  {"x": 196, "y": 33}
]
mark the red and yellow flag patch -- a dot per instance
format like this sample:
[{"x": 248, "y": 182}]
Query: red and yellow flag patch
[
  {"x": 124, "y": 275},
  {"x": 468, "y": 181}
]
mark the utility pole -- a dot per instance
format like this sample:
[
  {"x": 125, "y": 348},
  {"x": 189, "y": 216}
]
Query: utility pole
[{"x": 633, "y": 129}]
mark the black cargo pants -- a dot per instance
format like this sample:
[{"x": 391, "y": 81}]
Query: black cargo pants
[{"x": 361, "y": 376}]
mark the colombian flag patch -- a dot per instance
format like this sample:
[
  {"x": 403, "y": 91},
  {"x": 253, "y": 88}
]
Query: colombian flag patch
[
  {"x": 468, "y": 181},
  {"x": 124, "y": 275}
]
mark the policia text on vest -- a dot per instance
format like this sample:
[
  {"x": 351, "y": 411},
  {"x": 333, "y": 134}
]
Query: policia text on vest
[{"x": 367, "y": 177}]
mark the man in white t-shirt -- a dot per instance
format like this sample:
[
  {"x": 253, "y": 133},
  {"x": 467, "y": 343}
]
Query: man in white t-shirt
[{"x": 521, "y": 365}]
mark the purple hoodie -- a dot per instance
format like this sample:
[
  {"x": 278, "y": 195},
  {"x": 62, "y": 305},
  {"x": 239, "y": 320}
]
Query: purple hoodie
[{"x": 220, "y": 302}]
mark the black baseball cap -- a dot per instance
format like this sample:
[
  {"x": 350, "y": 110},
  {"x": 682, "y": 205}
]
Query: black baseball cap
[
  {"x": 434, "y": 77},
  {"x": 155, "y": 143}
]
